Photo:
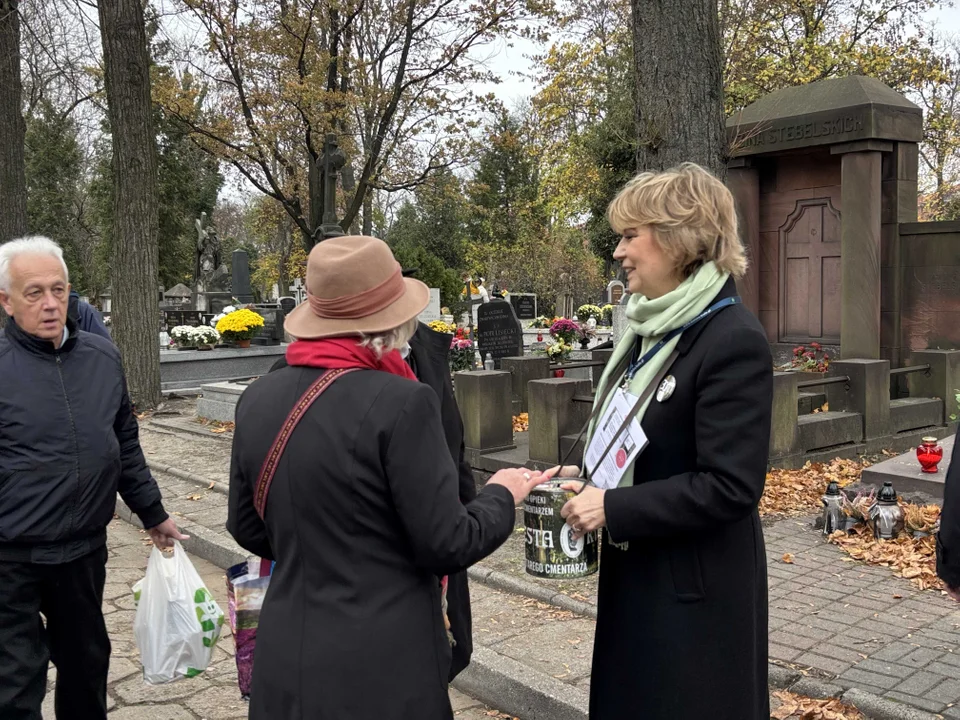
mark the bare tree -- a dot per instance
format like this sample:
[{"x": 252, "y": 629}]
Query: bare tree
[
  {"x": 13, "y": 183},
  {"x": 127, "y": 76},
  {"x": 679, "y": 84}
]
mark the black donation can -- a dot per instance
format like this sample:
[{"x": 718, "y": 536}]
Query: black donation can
[{"x": 552, "y": 551}]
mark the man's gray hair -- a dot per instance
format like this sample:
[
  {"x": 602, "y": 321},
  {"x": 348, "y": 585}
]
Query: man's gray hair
[{"x": 30, "y": 245}]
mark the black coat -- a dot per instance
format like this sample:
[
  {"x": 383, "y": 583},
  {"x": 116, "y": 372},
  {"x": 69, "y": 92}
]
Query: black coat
[
  {"x": 682, "y": 612},
  {"x": 363, "y": 516},
  {"x": 948, "y": 538},
  {"x": 429, "y": 359},
  {"x": 68, "y": 443}
]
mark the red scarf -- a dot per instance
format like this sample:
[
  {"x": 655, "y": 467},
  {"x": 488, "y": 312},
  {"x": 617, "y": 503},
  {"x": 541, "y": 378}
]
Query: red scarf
[{"x": 345, "y": 352}]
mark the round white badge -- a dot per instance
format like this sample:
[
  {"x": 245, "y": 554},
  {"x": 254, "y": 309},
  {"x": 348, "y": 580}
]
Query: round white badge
[{"x": 666, "y": 388}]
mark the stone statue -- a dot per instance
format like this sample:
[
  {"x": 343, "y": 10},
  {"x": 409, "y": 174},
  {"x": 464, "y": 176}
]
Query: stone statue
[{"x": 208, "y": 259}]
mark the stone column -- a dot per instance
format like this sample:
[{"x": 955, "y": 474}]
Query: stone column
[
  {"x": 486, "y": 403},
  {"x": 744, "y": 182},
  {"x": 860, "y": 254}
]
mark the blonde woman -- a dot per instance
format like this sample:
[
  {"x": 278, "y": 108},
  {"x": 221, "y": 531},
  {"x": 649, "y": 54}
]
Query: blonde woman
[
  {"x": 341, "y": 473},
  {"x": 682, "y": 626}
]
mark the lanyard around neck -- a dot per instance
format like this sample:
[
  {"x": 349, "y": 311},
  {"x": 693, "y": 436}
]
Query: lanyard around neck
[{"x": 635, "y": 366}]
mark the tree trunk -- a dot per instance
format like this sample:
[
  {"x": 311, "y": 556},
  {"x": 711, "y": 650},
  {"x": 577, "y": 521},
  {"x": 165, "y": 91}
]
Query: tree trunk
[
  {"x": 134, "y": 271},
  {"x": 13, "y": 182},
  {"x": 679, "y": 89}
]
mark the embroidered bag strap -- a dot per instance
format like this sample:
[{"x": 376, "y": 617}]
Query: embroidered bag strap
[{"x": 272, "y": 460}]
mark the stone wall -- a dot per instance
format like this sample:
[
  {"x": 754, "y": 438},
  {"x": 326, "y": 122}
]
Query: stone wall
[{"x": 930, "y": 273}]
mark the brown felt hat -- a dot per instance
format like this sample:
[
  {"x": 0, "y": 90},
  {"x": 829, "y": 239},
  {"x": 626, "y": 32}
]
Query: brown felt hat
[{"x": 355, "y": 286}]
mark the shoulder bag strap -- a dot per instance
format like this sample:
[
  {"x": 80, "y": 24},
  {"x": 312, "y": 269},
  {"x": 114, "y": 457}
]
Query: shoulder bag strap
[{"x": 269, "y": 468}]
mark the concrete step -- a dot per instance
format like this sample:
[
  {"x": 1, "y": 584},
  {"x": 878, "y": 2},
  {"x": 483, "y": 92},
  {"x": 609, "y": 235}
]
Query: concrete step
[
  {"x": 829, "y": 429},
  {"x": 808, "y": 401},
  {"x": 914, "y": 413}
]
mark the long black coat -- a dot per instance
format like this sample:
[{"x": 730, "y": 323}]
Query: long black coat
[
  {"x": 948, "y": 539},
  {"x": 362, "y": 518},
  {"x": 429, "y": 358},
  {"x": 682, "y": 617}
]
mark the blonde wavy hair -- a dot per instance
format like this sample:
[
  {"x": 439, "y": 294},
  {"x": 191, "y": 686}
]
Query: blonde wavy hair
[
  {"x": 690, "y": 213},
  {"x": 394, "y": 339}
]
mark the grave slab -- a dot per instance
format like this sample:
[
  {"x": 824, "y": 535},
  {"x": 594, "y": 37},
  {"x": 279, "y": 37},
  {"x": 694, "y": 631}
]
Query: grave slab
[{"x": 905, "y": 474}]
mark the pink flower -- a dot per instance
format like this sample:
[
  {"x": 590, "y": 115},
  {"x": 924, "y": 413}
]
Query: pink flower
[
  {"x": 816, "y": 345},
  {"x": 798, "y": 351}
]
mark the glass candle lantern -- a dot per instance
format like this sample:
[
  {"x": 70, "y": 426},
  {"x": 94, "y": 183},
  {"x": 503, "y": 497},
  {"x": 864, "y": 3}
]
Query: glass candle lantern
[
  {"x": 929, "y": 454},
  {"x": 886, "y": 514}
]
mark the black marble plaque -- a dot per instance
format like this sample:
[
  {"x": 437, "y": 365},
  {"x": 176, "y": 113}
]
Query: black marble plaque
[
  {"x": 525, "y": 306},
  {"x": 272, "y": 331},
  {"x": 287, "y": 304},
  {"x": 498, "y": 331}
]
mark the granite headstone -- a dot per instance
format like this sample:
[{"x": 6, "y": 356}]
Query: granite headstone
[
  {"x": 524, "y": 305},
  {"x": 498, "y": 331},
  {"x": 241, "y": 277}
]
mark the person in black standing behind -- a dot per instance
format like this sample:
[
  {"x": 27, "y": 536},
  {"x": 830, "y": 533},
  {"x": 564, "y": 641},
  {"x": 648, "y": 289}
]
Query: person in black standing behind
[
  {"x": 948, "y": 538},
  {"x": 682, "y": 600},
  {"x": 429, "y": 358}
]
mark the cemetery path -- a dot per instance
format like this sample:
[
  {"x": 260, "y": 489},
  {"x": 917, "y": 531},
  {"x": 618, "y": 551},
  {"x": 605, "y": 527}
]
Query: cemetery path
[
  {"x": 836, "y": 625},
  {"x": 214, "y": 695}
]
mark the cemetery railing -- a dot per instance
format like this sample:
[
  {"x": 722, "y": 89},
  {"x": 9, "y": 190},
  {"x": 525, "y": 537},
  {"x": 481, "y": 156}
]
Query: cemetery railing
[
  {"x": 577, "y": 364},
  {"x": 925, "y": 369},
  {"x": 826, "y": 381}
]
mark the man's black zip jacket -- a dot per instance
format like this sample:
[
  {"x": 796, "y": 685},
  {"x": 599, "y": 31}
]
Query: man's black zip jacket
[{"x": 68, "y": 443}]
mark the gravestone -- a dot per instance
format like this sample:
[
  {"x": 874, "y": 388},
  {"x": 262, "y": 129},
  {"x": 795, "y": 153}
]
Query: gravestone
[
  {"x": 615, "y": 291},
  {"x": 172, "y": 318},
  {"x": 524, "y": 305},
  {"x": 287, "y": 304},
  {"x": 432, "y": 311},
  {"x": 498, "y": 331},
  {"x": 272, "y": 331},
  {"x": 241, "y": 277}
]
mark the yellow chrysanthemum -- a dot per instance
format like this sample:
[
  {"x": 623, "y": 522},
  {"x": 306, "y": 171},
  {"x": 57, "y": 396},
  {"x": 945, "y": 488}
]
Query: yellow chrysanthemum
[{"x": 239, "y": 321}]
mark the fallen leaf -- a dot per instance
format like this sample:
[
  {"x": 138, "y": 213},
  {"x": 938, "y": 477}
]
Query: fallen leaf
[
  {"x": 195, "y": 496},
  {"x": 898, "y": 597},
  {"x": 787, "y": 558},
  {"x": 825, "y": 407},
  {"x": 790, "y": 493},
  {"x": 210, "y": 486}
]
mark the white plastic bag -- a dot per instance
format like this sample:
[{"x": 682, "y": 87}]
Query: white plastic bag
[{"x": 178, "y": 622}]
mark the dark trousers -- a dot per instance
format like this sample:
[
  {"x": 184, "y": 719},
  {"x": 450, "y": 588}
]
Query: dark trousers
[{"x": 70, "y": 596}]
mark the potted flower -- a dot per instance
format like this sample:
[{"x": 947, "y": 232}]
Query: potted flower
[
  {"x": 607, "y": 315},
  {"x": 240, "y": 326},
  {"x": 461, "y": 351},
  {"x": 442, "y": 327},
  {"x": 541, "y": 323},
  {"x": 585, "y": 311},
  {"x": 182, "y": 335},
  {"x": 559, "y": 351},
  {"x": 566, "y": 330},
  {"x": 205, "y": 338}
]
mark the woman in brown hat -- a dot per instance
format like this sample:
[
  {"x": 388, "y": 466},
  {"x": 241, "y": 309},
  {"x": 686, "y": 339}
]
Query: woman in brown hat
[{"x": 341, "y": 474}]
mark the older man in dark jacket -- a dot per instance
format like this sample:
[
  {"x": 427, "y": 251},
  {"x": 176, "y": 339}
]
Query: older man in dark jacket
[
  {"x": 948, "y": 539},
  {"x": 68, "y": 443}
]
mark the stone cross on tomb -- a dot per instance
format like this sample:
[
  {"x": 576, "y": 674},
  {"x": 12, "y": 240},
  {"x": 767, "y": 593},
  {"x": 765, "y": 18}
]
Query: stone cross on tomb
[{"x": 299, "y": 290}]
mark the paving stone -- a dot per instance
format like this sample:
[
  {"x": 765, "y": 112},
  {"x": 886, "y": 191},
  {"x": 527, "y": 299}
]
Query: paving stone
[
  {"x": 869, "y": 678},
  {"x": 821, "y": 662},
  {"x": 121, "y": 668},
  {"x": 219, "y": 703},
  {"x": 152, "y": 712},
  {"x": 136, "y": 690},
  {"x": 839, "y": 652},
  {"x": 921, "y": 657},
  {"x": 814, "y": 633},
  {"x": 919, "y": 683},
  {"x": 894, "y": 651},
  {"x": 541, "y": 648},
  {"x": 885, "y": 668},
  {"x": 949, "y": 690},
  {"x": 782, "y": 652},
  {"x": 792, "y": 640},
  {"x": 459, "y": 701}
]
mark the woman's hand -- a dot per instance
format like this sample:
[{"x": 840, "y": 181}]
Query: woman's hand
[
  {"x": 584, "y": 513},
  {"x": 520, "y": 481}
]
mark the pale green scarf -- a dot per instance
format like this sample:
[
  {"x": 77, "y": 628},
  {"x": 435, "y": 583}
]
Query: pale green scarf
[{"x": 651, "y": 320}]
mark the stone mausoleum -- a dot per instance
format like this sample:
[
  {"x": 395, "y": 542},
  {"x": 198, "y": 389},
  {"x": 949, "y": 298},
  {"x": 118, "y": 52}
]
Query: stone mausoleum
[{"x": 825, "y": 177}]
